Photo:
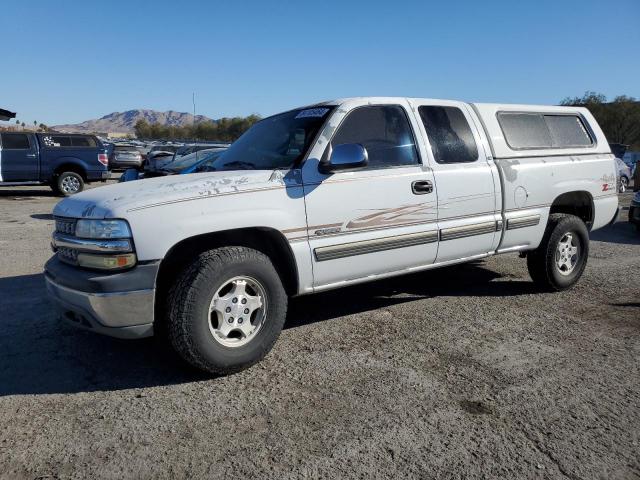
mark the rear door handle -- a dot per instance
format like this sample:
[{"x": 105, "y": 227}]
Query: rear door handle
[
  {"x": 420, "y": 187},
  {"x": 31, "y": 155}
]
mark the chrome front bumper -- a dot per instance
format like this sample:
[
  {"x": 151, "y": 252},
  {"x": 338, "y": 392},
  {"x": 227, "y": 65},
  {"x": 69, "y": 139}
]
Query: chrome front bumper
[{"x": 117, "y": 314}]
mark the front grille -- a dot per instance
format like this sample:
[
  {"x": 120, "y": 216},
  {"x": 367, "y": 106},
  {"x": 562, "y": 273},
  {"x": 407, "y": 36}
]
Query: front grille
[
  {"x": 67, "y": 255},
  {"x": 66, "y": 226}
]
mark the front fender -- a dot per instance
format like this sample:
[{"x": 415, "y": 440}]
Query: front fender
[{"x": 157, "y": 229}]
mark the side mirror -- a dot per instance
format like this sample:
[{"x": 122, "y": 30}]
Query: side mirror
[{"x": 345, "y": 157}]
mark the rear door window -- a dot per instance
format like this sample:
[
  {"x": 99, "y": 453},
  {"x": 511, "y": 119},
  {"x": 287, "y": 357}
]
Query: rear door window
[
  {"x": 15, "y": 141},
  {"x": 449, "y": 134}
]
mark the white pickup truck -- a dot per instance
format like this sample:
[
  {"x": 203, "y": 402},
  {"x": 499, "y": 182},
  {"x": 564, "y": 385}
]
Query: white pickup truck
[{"x": 326, "y": 196}]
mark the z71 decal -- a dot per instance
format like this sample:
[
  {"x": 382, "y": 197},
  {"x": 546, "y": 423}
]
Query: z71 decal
[{"x": 609, "y": 182}]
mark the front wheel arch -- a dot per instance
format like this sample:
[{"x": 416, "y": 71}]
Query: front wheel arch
[{"x": 268, "y": 241}]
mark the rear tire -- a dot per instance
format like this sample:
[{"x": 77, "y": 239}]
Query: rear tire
[
  {"x": 624, "y": 184},
  {"x": 67, "y": 184},
  {"x": 560, "y": 259},
  {"x": 208, "y": 322}
]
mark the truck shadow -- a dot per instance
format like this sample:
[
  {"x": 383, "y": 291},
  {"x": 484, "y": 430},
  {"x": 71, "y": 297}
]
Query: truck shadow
[
  {"x": 19, "y": 193},
  {"x": 465, "y": 280},
  {"x": 42, "y": 216},
  {"x": 40, "y": 355},
  {"x": 621, "y": 232}
]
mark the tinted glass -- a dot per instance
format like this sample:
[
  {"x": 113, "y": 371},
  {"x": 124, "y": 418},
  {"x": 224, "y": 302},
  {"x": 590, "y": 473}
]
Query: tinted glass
[
  {"x": 54, "y": 141},
  {"x": 275, "y": 142},
  {"x": 207, "y": 166},
  {"x": 525, "y": 130},
  {"x": 567, "y": 131},
  {"x": 537, "y": 130},
  {"x": 164, "y": 148},
  {"x": 384, "y": 131},
  {"x": 15, "y": 141},
  {"x": 125, "y": 148},
  {"x": 449, "y": 134},
  {"x": 190, "y": 160},
  {"x": 88, "y": 142}
]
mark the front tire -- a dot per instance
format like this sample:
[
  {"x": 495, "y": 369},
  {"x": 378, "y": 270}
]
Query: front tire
[
  {"x": 560, "y": 259},
  {"x": 67, "y": 184},
  {"x": 226, "y": 310}
]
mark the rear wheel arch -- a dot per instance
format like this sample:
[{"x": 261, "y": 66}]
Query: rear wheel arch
[
  {"x": 578, "y": 203},
  {"x": 70, "y": 167}
]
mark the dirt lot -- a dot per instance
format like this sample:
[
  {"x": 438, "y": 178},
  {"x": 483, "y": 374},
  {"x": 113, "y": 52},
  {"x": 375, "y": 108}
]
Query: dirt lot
[{"x": 465, "y": 372}]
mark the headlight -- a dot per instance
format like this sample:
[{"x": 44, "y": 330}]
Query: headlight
[{"x": 102, "y": 229}]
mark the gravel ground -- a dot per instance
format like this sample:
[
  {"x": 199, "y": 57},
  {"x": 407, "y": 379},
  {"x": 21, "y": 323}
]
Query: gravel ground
[{"x": 464, "y": 372}]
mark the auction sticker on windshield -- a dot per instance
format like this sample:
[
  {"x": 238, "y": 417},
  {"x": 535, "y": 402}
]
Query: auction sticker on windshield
[{"x": 312, "y": 112}]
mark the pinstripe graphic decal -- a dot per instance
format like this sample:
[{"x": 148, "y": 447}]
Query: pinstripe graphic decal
[
  {"x": 454, "y": 233},
  {"x": 376, "y": 245},
  {"x": 522, "y": 222}
]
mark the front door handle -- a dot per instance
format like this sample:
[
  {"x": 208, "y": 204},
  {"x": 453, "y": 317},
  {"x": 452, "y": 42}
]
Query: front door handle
[
  {"x": 31, "y": 155},
  {"x": 420, "y": 187}
]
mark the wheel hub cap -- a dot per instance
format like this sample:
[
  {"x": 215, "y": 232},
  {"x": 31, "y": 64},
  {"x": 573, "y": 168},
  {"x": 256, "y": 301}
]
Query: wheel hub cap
[
  {"x": 237, "y": 311},
  {"x": 567, "y": 254},
  {"x": 70, "y": 184}
]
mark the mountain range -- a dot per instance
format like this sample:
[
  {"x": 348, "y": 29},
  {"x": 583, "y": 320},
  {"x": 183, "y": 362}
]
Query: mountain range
[{"x": 123, "y": 122}]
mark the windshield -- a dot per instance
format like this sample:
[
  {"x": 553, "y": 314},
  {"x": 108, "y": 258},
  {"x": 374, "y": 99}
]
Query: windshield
[
  {"x": 275, "y": 142},
  {"x": 207, "y": 165},
  {"x": 164, "y": 148},
  {"x": 189, "y": 160}
]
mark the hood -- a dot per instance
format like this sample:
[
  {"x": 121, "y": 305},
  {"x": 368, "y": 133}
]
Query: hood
[{"x": 114, "y": 201}]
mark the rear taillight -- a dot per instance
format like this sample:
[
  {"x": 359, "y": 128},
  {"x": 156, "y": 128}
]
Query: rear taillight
[{"x": 103, "y": 159}]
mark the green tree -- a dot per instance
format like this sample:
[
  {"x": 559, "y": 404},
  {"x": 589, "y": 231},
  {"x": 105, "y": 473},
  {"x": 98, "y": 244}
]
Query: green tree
[
  {"x": 619, "y": 119},
  {"x": 142, "y": 129},
  {"x": 224, "y": 129}
]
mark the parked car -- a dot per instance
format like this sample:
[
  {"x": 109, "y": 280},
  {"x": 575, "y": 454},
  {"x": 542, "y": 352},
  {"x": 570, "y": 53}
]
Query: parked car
[
  {"x": 187, "y": 164},
  {"x": 155, "y": 167},
  {"x": 205, "y": 164},
  {"x": 624, "y": 175},
  {"x": 323, "y": 197},
  {"x": 187, "y": 149},
  {"x": 160, "y": 155},
  {"x": 125, "y": 156},
  {"x": 634, "y": 211},
  {"x": 65, "y": 162}
]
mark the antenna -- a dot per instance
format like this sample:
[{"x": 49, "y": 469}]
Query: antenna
[{"x": 193, "y": 99}]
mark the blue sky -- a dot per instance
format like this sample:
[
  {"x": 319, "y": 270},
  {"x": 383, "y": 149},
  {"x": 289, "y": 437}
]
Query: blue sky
[{"x": 68, "y": 61}]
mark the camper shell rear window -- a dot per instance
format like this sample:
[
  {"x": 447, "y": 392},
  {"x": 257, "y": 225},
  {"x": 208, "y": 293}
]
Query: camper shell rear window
[{"x": 537, "y": 131}]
